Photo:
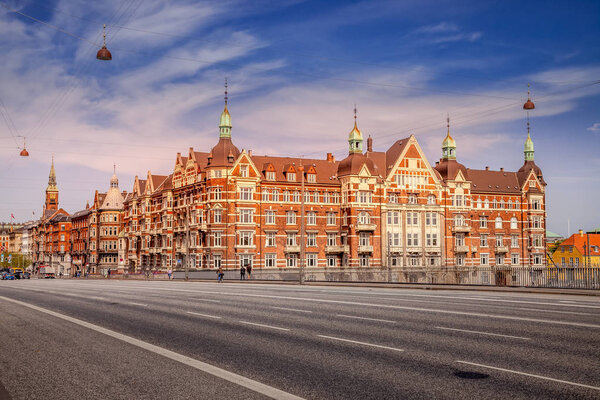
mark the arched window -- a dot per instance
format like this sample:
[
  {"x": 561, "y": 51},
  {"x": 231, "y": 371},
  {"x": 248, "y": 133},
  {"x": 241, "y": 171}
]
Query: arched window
[
  {"x": 431, "y": 199},
  {"x": 478, "y": 203},
  {"x": 459, "y": 220},
  {"x": 486, "y": 203},
  {"x": 501, "y": 203},
  {"x": 513, "y": 223},
  {"x": 412, "y": 199},
  {"x": 286, "y": 196},
  {"x": 364, "y": 217},
  {"x": 498, "y": 223}
]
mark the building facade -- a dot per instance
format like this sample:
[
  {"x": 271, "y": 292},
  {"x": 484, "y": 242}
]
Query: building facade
[{"x": 373, "y": 209}]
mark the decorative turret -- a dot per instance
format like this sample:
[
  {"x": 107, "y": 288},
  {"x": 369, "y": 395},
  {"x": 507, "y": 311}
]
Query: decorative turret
[
  {"x": 448, "y": 145},
  {"x": 114, "y": 199},
  {"x": 225, "y": 121},
  {"x": 114, "y": 181},
  {"x": 355, "y": 138},
  {"x": 528, "y": 149}
]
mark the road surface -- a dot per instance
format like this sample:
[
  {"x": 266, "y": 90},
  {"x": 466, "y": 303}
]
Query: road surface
[{"x": 100, "y": 339}]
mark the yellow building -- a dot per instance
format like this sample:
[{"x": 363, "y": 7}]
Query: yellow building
[{"x": 579, "y": 250}]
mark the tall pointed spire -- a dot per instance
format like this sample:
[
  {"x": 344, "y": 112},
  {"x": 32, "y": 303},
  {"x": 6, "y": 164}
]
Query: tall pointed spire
[
  {"x": 52, "y": 177},
  {"x": 355, "y": 138},
  {"x": 448, "y": 145},
  {"x": 528, "y": 148},
  {"x": 225, "y": 122}
]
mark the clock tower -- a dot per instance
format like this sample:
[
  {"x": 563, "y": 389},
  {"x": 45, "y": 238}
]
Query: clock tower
[{"x": 51, "y": 190}]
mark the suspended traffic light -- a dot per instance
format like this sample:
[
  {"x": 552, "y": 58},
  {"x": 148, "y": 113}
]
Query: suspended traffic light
[{"x": 103, "y": 53}]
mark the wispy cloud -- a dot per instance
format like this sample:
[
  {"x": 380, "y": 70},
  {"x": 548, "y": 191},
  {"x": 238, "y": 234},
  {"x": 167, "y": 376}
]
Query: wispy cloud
[
  {"x": 595, "y": 127},
  {"x": 444, "y": 32}
]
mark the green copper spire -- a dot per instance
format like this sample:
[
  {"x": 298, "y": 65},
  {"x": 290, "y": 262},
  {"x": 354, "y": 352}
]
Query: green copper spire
[
  {"x": 448, "y": 145},
  {"x": 355, "y": 139},
  {"x": 225, "y": 122},
  {"x": 528, "y": 150}
]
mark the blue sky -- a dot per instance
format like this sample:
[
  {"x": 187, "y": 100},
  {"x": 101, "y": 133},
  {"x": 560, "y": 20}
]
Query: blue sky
[{"x": 296, "y": 69}]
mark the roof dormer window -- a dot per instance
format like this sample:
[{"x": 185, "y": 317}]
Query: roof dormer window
[{"x": 291, "y": 177}]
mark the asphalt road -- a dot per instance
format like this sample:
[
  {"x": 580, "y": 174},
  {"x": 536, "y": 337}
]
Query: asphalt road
[{"x": 79, "y": 339}]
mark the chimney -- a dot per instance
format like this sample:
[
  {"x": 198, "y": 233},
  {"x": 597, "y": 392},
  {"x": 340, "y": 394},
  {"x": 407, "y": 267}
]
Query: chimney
[
  {"x": 581, "y": 232},
  {"x": 370, "y": 144},
  {"x": 487, "y": 168},
  {"x": 330, "y": 157},
  {"x": 437, "y": 163},
  {"x": 249, "y": 153},
  {"x": 501, "y": 169}
]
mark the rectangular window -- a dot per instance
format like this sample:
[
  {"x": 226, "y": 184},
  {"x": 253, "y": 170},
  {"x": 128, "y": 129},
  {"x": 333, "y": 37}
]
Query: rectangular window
[
  {"x": 311, "y": 178},
  {"x": 514, "y": 241},
  {"x": 311, "y": 259},
  {"x": 245, "y": 193},
  {"x": 291, "y": 239},
  {"x": 244, "y": 171},
  {"x": 364, "y": 197},
  {"x": 432, "y": 240},
  {"x": 276, "y": 195},
  {"x": 538, "y": 259},
  {"x": 311, "y": 239},
  {"x": 412, "y": 239},
  {"x": 331, "y": 239},
  {"x": 291, "y": 217},
  {"x": 431, "y": 219},
  {"x": 311, "y": 218},
  {"x": 270, "y": 175},
  {"x": 331, "y": 261},
  {"x": 291, "y": 260},
  {"x": 484, "y": 258},
  {"x": 499, "y": 241},
  {"x": 270, "y": 259},
  {"x": 460, "y": 239},
  {"x": 246, "y": 238},
  {"x": 483, "y": 240},
  {"x": 246, "y": 216},
  {"x": 483, "y": 221},
  {"x": 217, "y": 261},
  {"x": 330, "y": 218},
  {"x": 270, "y": 217},
  {"x": 364, "y": 239},
  {"x": 363, "y": 260},
  {"x": 270, "y": 239},
  {"x": 217, "y": 239},
  {"x": 515, "y": 259},
  {"x": 217, "y": 214},
  {"x": 291, "y": 177},
  {"x": 217, "y": 193}
]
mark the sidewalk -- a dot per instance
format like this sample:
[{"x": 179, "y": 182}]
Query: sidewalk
[{"x": 474, "y": 288}]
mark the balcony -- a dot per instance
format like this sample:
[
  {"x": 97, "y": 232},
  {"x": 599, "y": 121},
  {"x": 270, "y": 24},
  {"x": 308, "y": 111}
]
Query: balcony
[
  {"x": 432, "y": 250},
  {"x": 366, "y": 227},
  {"x": 473, "y": 249},
  {"x": 292, "y": 248},
  {"x": 395, "y": 249},
  {"x": 365, "y": 249},
  {"x": 461, "y": 228},
  {"x": 337, "y": 249},
  {"x": 461, "y": 249},
  {"x": 202, "y": 226},
  {"x": 501, "y": 249}
]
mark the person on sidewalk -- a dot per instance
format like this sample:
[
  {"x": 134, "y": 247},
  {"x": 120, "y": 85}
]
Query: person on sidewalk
[
  {"x": 242, "y": 273},
  {"x": 220, "y": 275},
  {"x": 170, "y": 272},
  {"x": 249, "y": 270}
]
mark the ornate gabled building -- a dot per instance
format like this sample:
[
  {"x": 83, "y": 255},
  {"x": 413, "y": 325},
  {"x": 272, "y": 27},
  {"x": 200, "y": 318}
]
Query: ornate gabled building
[{"x": 374, "y": 209}]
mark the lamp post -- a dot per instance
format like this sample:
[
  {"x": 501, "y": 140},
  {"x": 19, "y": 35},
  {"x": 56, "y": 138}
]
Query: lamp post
[
  {"x": 187, "y": 247},
  {"x": 302, "y": 255}
]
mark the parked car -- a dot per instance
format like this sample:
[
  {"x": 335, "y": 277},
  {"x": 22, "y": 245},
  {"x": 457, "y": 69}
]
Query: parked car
[
  {"x": 8, "y": 276},
  {"x": 26, "y": 275}
]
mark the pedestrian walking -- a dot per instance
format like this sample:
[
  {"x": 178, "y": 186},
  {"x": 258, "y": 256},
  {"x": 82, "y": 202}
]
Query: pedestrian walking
[
  {"x": 108, "y": 274},
  {"x": 220, "y": 275},
  {"x": 242, "y": 273},
  {"x": 249, "y": 270},
  {"x": 170, "y": 272}
]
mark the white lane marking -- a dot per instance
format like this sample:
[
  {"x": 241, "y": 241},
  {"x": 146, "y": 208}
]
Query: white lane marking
[
  {"x": 138, "y": 304},
  {"x": 203, "y": 315},
  {"x": 554, "y": 311},
  {"x": 264, "y": 326},
  {"x": 199, "y": 365},
  {"x": 482, "y": 333},
  {"x": 433, "y": 310},
  {"x": 365, "y": 318},
  {"x": 531, "y": 375},
  {"x": 209, "y": 300},
  {"x": 567, "y": 301},
  {"x": 357, "y": 342},
  {"x": 292, "y": 309}
]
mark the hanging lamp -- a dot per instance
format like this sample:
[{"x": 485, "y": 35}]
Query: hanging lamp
[{"x": 103, "y": 53}]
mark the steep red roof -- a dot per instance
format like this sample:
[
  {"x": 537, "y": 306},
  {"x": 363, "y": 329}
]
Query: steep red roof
[
  {"x": 579, "y": 240},
  {"x": 487, "y": 181},
  {"x": 324, "y": 169}
]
